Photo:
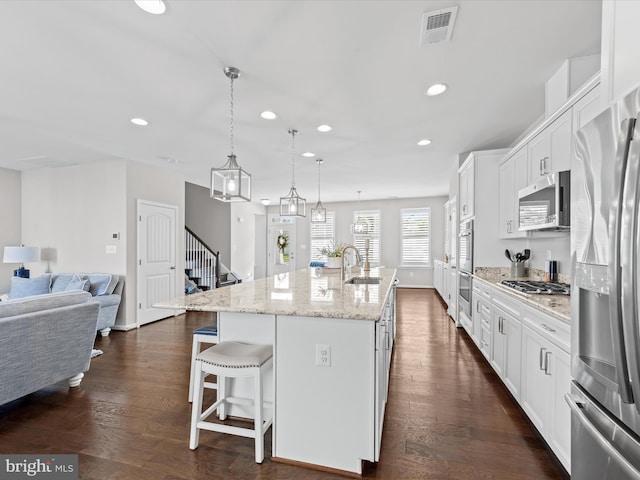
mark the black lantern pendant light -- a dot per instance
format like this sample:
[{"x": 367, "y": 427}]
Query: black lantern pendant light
[
  {"x": 231, "y": 183},
  {"x": 293, "y": 205}
]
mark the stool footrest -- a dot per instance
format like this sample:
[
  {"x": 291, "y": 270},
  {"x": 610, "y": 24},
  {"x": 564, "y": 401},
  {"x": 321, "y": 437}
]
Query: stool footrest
[{"x": 222, "y": 428}]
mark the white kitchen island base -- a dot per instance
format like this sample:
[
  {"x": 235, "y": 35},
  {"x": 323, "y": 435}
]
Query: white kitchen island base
[{"x": 332, "y": 346}]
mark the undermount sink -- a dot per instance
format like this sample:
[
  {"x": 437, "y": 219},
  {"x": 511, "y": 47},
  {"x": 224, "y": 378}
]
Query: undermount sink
[{"x": 364, "y": 280}]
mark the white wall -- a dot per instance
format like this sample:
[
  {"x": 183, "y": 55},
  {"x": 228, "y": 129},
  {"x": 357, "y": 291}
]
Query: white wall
[
  {"x": 167, "y": 188},
  {"x": 245, "y": 237},
  {"x": 73, "y": 212},
  {"x": 390, "y": 233},
  {"x": 10, "y": 233}
]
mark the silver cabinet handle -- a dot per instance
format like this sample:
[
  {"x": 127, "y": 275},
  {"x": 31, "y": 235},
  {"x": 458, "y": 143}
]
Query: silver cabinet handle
[
  {"x": 547, "y": 328},
  {"x": 542, "y": 350},
  {"x": 540, "y": 167},
  {"x": 477, "y": 306},
  {"x": 546, "y": 363}
]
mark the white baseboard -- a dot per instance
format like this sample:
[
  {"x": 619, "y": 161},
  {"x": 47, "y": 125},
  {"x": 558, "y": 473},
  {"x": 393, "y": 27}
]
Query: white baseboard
[
  {"x": 124, "y": 328},
  {"x": 415, "y": 286}
]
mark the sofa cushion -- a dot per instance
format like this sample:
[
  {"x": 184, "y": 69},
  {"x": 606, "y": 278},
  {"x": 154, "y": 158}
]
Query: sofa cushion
[
  {"x": 108, "y": 300},
  {"x": 59, "y": 282},
  {"x": 99, "y": 283},
  {"x": 26, "y": 287},
  {"x": 37, "y": 303},
  {"x": 78, "y": 283},
  {"x": 112, "y": 285}
]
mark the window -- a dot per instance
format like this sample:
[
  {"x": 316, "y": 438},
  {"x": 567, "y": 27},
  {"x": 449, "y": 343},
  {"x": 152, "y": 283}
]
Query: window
[
  {"x": 322, "y": 235},
  {"x": 416, "y": 236},
  {"x": 372, "y": 217}
]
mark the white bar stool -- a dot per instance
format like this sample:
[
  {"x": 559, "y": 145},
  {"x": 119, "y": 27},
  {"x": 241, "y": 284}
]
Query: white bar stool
[
  {"x": 207, "y": 334},
  {"x": 231, "y": 359}
]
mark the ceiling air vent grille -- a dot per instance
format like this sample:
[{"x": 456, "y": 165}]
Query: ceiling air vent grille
[{"x": 437, "y": 26}]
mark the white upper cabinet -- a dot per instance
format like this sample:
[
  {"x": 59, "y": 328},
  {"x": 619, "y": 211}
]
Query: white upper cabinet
[
  {"x": 586, "y": 109},
  {"x": 620, "y": 66},
  {"x": 513, "y": 176},
  {"x": 467, "y": 187},
  {"x": 550, "y": 150}
]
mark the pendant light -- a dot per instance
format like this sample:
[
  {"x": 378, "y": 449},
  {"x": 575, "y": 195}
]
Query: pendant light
[
  {"x": 231, "y": 183},
  {"x": 293, "y": 205},
  {"x": 319, "y": 213},
  {"x": 360, "y": 226}
]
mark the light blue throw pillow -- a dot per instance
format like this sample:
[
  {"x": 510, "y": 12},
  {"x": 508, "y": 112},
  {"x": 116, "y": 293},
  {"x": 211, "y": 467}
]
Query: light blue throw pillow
[
  {"x": 26, "y": 287},
  {"x": 78, "y": 283},
  {"x": 99, "y": 283}
]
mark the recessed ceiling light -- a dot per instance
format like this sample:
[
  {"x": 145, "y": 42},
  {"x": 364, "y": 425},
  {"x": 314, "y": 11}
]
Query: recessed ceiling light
[
  {"x": 265, "y": 201},
  {"x": 268, "y": 115},
  {"x": 436, "y": 89},
  {"x": 139, "y": 121},
  {"x": 325, "y": 128},
  {"x": 308, "y": 154},
  {"x": 424, "y": 141},
  {"x": 157, "y": 7}
]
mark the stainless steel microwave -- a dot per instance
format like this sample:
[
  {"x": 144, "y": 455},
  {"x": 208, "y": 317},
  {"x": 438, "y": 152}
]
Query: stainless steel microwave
[{"x": 545, "y": 205}]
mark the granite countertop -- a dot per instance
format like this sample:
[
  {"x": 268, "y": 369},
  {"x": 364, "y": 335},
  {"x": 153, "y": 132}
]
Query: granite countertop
[
  {"x": 311, "y": 292},
  {"x": 557, "y": 305}
]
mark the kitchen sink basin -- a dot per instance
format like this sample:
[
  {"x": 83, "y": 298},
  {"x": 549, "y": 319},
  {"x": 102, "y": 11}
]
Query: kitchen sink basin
[{"x": 364, "y": 281}]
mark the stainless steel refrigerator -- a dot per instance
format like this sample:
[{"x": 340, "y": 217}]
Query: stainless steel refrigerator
[{"x": 605, "y": 244}]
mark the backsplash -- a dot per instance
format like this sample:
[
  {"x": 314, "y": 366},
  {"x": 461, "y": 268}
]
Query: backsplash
[{"x": 504, "y": 273}]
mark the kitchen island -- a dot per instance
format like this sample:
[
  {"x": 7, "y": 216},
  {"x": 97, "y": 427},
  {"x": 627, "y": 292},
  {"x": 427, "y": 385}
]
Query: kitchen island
[{"x": 332, "y": 349}]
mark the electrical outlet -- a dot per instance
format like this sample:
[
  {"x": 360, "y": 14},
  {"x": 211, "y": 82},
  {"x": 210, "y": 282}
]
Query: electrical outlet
[{"x": 323, "y": 355}]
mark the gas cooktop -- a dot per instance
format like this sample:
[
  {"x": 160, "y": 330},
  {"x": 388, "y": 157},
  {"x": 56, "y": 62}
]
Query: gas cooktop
[{"x": 540, "y": 288}]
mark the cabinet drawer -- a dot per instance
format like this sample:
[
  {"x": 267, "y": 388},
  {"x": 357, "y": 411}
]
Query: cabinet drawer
[
  {"x": 482, "y": 288},
  {"x": 553, "y": 329},
  {"x": 485, "y": 340},
  {"x": 508, "y": 303}
]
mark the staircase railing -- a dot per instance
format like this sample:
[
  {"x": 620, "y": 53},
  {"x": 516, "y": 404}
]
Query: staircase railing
[
  {"x": 201, "y": 261},
  {"x": 203, "y": 264}
]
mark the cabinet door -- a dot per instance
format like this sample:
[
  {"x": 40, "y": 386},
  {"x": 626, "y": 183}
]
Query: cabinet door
[
  {"x": 506, "y": 184},
  {"x": 512, "y": 329},
  {"x": 559, "y": 437},
  {"x": 586, "y": 109},
  {"x": 538, "y": 152},
  {"x": 560, "y": 138},
  {"x": 467, "y": 188},
  {"x": 534, "y": 389},
  {"x": 499, "y": 341}
]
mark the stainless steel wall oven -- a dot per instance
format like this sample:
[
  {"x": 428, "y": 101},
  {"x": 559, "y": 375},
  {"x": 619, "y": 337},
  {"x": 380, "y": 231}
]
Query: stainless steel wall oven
[{"x": 465, "y": 270}]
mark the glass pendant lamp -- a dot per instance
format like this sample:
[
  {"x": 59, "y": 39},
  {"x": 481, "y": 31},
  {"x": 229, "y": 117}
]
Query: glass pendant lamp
[
  {"x": 230, "y": 182},
  {"x": 319, "y": 213},
  {"x": 360, "y": 226},
  {"x": 293, "y": 205}
]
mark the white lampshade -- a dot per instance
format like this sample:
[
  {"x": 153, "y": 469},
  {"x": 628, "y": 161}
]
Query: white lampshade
[{"x": 21, "y": 254}]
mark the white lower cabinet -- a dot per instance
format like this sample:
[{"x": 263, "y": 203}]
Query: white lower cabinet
[
  {"x": 529, "y": 350},
  {"x": 546, "y": 376}
]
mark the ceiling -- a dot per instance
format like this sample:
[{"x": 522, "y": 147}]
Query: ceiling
[{"x": 74, "y": 73}]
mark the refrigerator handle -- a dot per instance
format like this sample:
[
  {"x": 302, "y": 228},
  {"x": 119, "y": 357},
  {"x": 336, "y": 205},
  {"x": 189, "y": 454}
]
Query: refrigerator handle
[
  {"x": 614, "y": 270},
  {"x": 629, "y": 260},
  {"x": 576, "y": 409}
]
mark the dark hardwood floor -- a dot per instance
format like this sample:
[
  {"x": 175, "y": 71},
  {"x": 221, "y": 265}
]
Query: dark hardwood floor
[{"x": 448, "y": 415}]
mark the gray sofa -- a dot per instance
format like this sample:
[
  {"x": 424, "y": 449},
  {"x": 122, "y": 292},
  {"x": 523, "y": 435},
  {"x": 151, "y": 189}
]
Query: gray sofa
[
  {"x": 45, "y": 339},
  {"x": 106, "y": 288}
]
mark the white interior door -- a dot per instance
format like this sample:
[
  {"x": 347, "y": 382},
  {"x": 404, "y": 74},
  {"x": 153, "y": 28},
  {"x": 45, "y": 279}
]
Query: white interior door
[
  {"x": 281, "y": 261},
  {"x": 156, "y": 259}
]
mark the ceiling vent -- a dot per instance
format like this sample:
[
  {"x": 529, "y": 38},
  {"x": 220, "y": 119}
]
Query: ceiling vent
[{"x": 437, "y": 26}]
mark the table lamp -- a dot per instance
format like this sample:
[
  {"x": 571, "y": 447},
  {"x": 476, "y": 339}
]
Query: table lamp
[{"x": 21, "y": 255}]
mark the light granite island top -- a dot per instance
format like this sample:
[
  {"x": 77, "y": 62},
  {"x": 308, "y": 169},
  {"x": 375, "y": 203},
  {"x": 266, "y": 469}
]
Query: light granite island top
[
  {"x": 332, "y": 346},
  {"x": 311, "y": 292}
]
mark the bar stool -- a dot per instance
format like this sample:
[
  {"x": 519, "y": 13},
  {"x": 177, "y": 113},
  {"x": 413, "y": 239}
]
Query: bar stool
[
  {"x": 207, "y": 334},
  {"x": 235, "y": 360}
]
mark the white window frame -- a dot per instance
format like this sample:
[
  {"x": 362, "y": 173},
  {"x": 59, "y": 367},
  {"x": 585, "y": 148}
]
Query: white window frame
[
  {"x": 427, "y": 260},
  {"x": 375, "y": 241},
  {"x": 317, "y": 242}
]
